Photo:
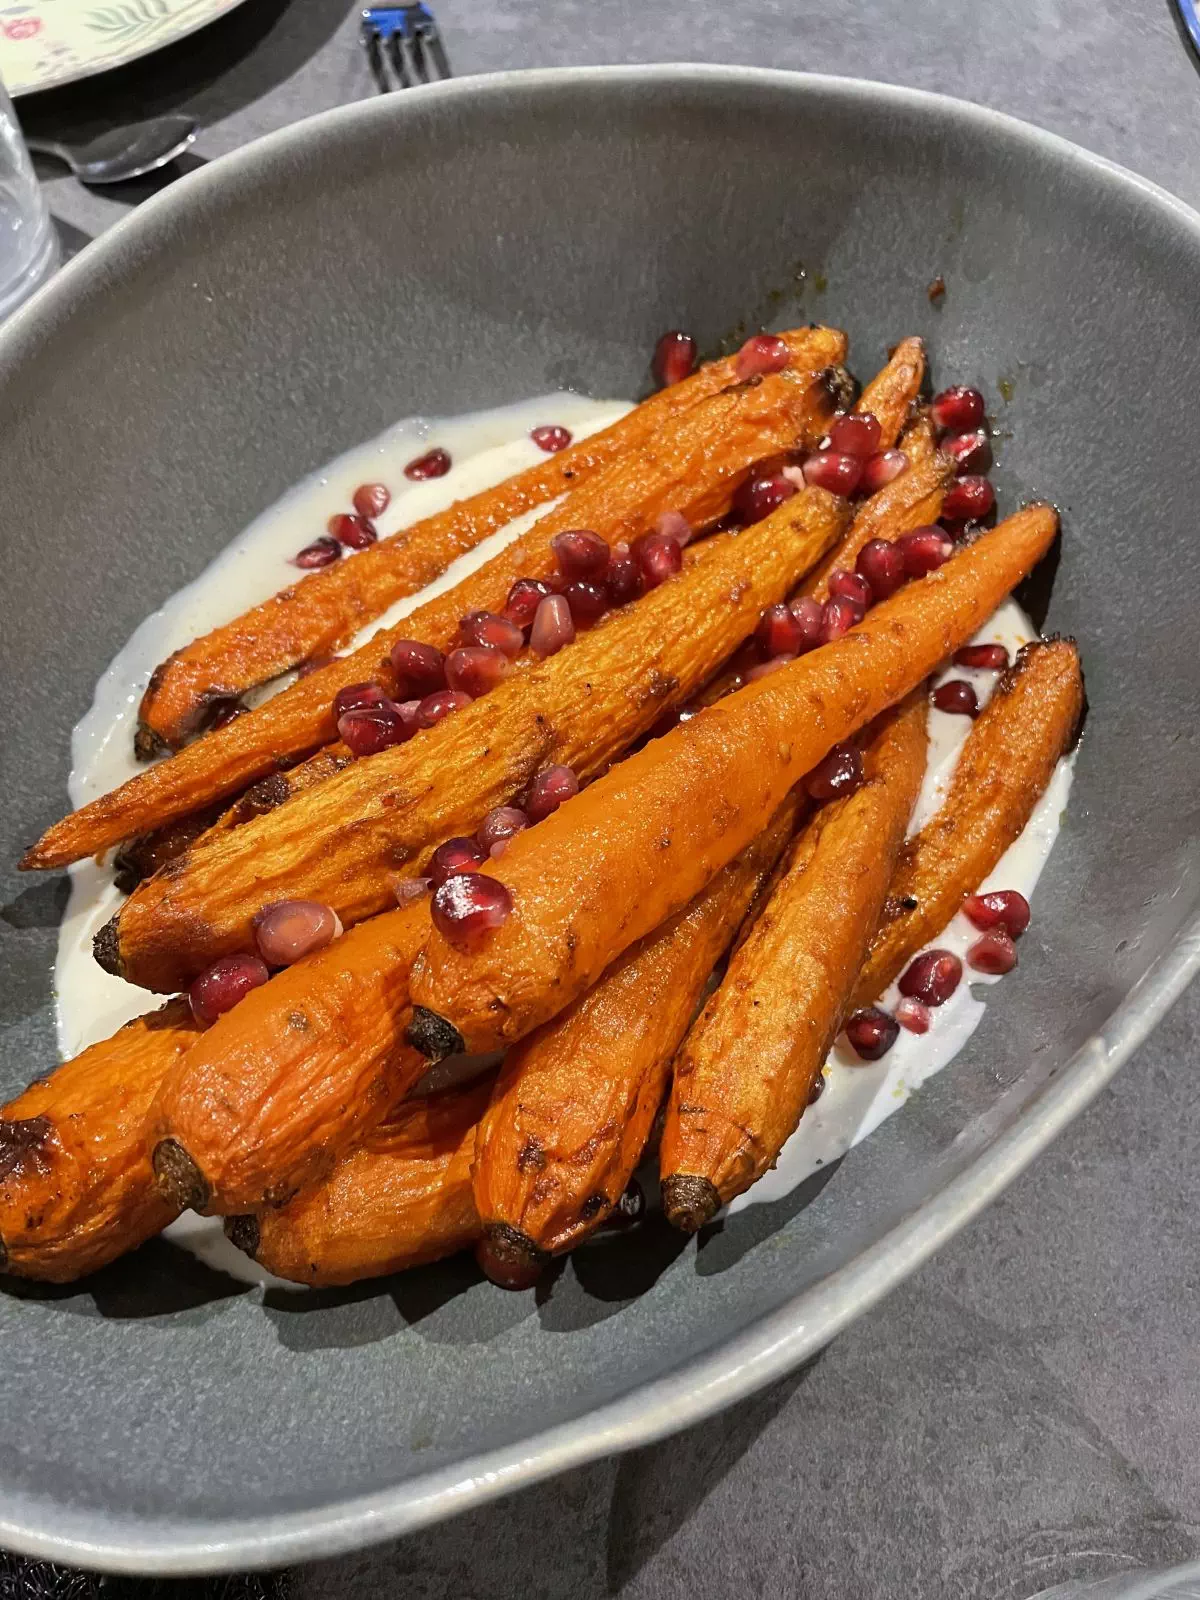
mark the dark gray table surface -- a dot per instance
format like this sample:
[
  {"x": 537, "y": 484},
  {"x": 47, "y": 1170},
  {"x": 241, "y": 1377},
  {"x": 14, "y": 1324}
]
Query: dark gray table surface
[{"x": 1027, "y": 1408}]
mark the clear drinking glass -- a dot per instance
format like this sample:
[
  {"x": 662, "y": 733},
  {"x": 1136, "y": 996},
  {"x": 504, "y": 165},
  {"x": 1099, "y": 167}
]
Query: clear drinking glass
[{"x": 28, "y": 243}]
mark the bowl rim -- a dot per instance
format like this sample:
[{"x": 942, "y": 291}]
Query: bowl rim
[{"x": 774, "y": 1344}]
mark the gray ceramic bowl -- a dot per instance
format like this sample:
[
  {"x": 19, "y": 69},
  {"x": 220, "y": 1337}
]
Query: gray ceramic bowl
[{"x": 468, "y": 245}]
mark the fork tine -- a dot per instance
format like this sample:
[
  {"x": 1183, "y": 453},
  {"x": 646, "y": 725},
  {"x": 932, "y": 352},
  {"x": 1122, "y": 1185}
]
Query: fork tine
[
  {"x": 416, "y": 54},
  {"x": 436, "y": 49},
  {"x": 395, "y": 52},
  {"x": 369, "y": 38}
]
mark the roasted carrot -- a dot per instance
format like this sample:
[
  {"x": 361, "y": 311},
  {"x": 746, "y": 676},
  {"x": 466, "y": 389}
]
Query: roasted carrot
[
  {"x": 76, "y": 1188},
  {"x": 892, "y": 393},
  {"x": 747, "y": 1067},
  {"x": 692, "y": 464},
  {"x": 279, "y": 1087},
  {"x": 321, "y": 612},
  {"x": 627, "y": 852},
  {"x": 401, "y": 1199},
  {"x": 1007, "y": 761},
  {"x": 574, "y": 1102},
  {"x": 343, "y": 841}
]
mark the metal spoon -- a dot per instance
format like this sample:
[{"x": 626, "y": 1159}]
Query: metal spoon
[{"x": 123, "y": 152}]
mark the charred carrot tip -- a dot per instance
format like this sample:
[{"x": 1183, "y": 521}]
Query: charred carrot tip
[
  {"x": 433, "y": 1036},
  {"x": 147, "y": 744},
  {"x": 509, "y": 1257},
  {"x": 245, "y": 1233},
  {"x": 179, "y": 1178},
  {"x": 106, "y": 947},
  {"x": 689, "y": 1202}
]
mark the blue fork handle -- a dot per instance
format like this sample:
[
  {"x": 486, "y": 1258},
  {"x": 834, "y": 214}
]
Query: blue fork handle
[{"x": 1189, "y": 15}]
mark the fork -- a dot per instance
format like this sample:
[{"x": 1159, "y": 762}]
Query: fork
[{"x": 406, "y": 39}]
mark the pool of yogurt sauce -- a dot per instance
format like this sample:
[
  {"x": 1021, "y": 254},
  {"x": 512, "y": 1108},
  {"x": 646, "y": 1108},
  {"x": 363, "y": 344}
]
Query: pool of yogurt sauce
[{"x": 485, "y": 447}]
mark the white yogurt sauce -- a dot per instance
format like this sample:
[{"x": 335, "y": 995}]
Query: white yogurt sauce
[{"x": 485, "y": 448}]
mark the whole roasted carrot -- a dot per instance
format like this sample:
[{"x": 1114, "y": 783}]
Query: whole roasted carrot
[
  {"x": 321, "y": 612},
  {"x": 892, "y": 393},
  {"x": 343, "y": 841},
  {"x": 76, "y": 1187},
  {"x": 279, "y": 1087},
  {"x": 575, "y": 1100},
  {"x": 401, "y": 1199},
  {"x": 692, "y": 464},
  {"x": 620, "y": 857},
  {"x": 1007, "y": 761},
  {"x": 747, "y": 1067}
]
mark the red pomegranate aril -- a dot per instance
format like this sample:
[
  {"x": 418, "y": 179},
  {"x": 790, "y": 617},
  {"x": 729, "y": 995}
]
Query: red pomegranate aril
[
  {"x": 434, "y": 463},
  {"x": 872, "y": 1032},
  {"x": 581, "y": 554},
  {"x": 552, "y": 626},
  {"x": 313, "y": 664},
  {"x": 830, "y": 469},
  {"x": 914, "y": 1015},
  {"x": 476, "y": 669},
  {"x": 675, "y": 525},
  {"x": 840, "y": 773},
  {"x": 523, "y": 600},
  {"x": 764, "y": 669},
  {"x": 355, "y": 532},
  {"x": 932, "y": 977},
  {"x": 1000, "y": 908},
  {"x": 225, "y": 983},
  {"x": 408, "y": 889},
  {"x": 549, "y": 790},
  {"x": 760, "y": 495},
  {"x": 971, "y": 452},
  {"x": 881, "y": 566},
  {"x": 994, "y": 954},
  {"x": 761, "y": 353},
  {"x": 290, "y": 929},
  {"x": 674, "y": 357},
  {"x": 496, "y": 632},
  {"x": 809, "y": 615},
  {"x": 856, "y": 434},
  {"x": 468, "y": 907},
  {"x": 551, "y": 438},
  {"x": 778, "y": 632},
  {"x": 442, "y": 703},
  {"x": 623, "y": 581},
  {"x": 588, "y": 602},
  {"x": 881, "y": 469},
  {"x": 838, "y": 616},
  {"x": 968, "y": 499},
  {"x": 455, "y": 856},
  {"x": 322, "y": 552},
  {"x": 659, "y": 557},
  {"x": 958, "y": 409},
  {"x": 353, "y": 696},
  {"x": 223, "y": 712},
  {"x": 991, "y": 657},
  {"x": 369, "y": 729},
  {"x": 371, "y": 499},
  {"x": 500, "y": 825},
  {"x": 924, "y": 550},
  {"x": 957, "y": 697},
  {"x": 851, "y": 586},
  {"x": 420, "y": 668}
]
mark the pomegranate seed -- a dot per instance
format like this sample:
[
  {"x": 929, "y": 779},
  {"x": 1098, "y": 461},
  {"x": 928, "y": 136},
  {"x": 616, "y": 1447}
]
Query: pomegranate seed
[
  {"x": 322, "y": 552},
  {"x": 551, "y": 438},
  {"x": 872, "y": 1033},
  {"x": 434, "y": 463},
  {"x": 313, "y": 664},
  {"x": 809, "y": 614},
  {"x": 1001, "y": 908},
  {"x": 817, "y": 1090},
  {"x": 957, "y": 697},
  {"x": 761, "y": 353},
  {"x": 353, "y": 696},
  {"x": 794, "y": 475},
  {"x": 958, "y": 409},
  {"x": 290, "y": 929},
  {"x": 548, "y": 791},
  {"x": 588, "y": 602},
  {"x": 441, "y": 703},
  {"x": 881, "y": 469},
  {"x": 839, "y": 774},
  {"x": 455, "y": 856},
  {"x": 779, "y": 632},
  {"x": 581, "y": 554},
  {"x": 924, "y": 550},
  {"x": 971, "y": 452},
  {"x": 994, "y": 953},
  {"x": 371, "y": 499},
  {"x": 406, "y": 889},
  {"x": 486, "y": 628},
  {"x": 828, "y": 469},
  {"x": 932, "y": 977},
  {"x": 355, "y": 532},
  {"x": 368, "y": 729},
  {"x": 968, "y": 499},
  {"x": 223, "y": 712},
  {"x": 523, "y": 599},
  {"x": 674, "y": 357},
  {"x": 225, "y": 983},
  {"x": 675, "y": 525},
  {"x": 994, "y": 657},
  {"x": 420, "y": 668},
  {"x": 623, "y": 581},
  {"x": 759, "y": 495},
  {"x": 659, "y": 557},
  {"x": 500, "y": 825},
  {"x": 914, "y": 1015},
  {"x": 838, "y": 616},
  {"x": 856, "y": 434},
  {"x": 552, "y": 626},
  {"x": 851, "y": 586},
  {"x": 764, "y": 669},
  {"x": 476, "y": 669},
  {"x": 882, "y": 566},
  {"x": 468, "y": 907}
]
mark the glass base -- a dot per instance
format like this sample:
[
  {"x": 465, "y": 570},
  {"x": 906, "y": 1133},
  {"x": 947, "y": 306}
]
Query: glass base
[{"x": 35, "y": 272}]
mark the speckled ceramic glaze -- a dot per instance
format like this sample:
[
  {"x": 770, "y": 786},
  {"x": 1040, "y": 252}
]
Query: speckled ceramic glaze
[{"x": 464, "y": 246}]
